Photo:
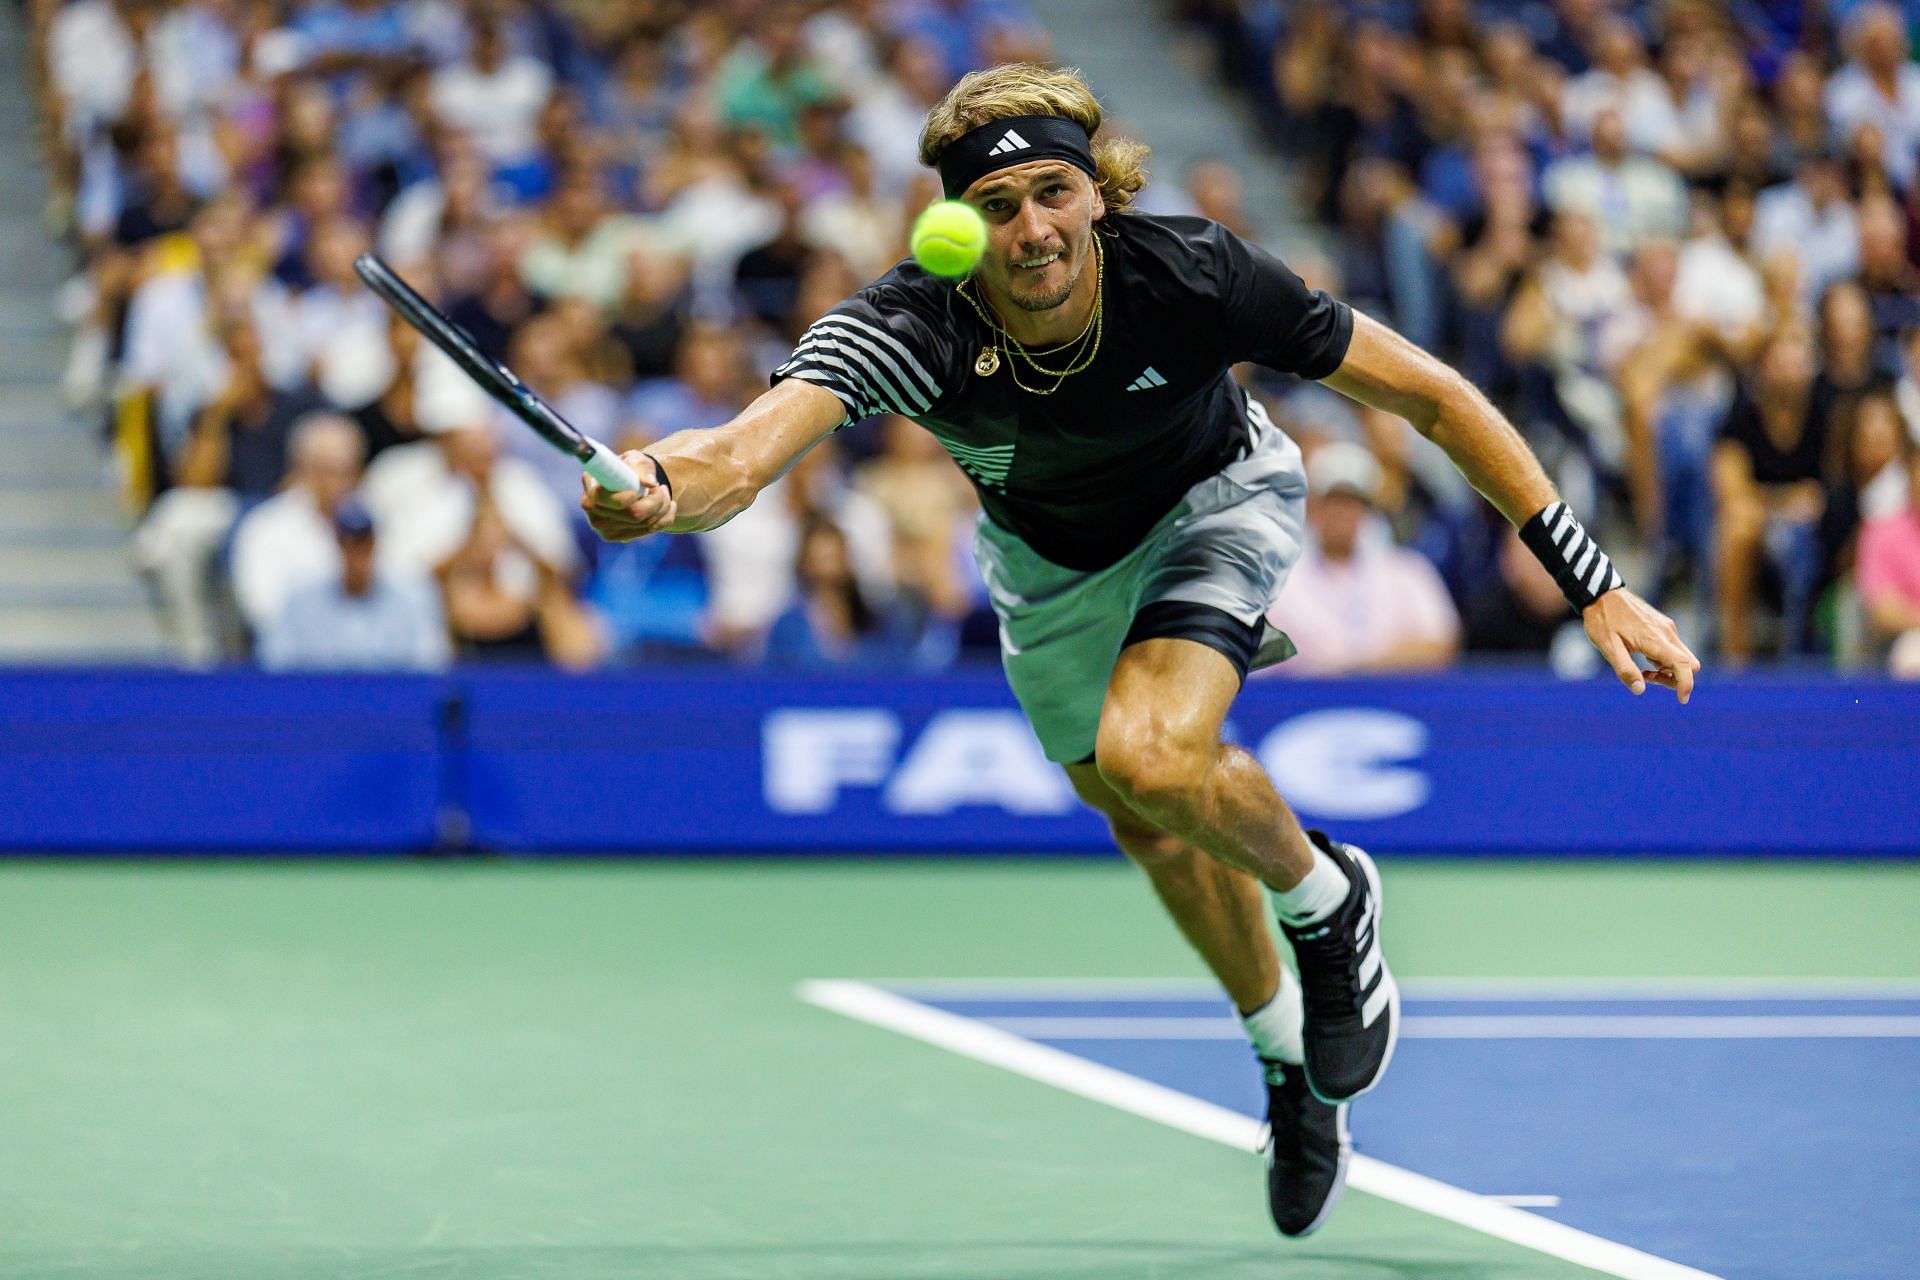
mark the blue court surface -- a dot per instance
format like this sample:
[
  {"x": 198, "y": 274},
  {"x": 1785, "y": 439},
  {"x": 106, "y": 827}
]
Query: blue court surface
[{"x": 1749, "y": 1133}]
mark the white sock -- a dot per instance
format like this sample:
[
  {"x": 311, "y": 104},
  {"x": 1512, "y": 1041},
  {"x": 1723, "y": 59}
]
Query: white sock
[
  {"x": 1274, "y": 1027},
  {"x": 1317, "y": 896}
]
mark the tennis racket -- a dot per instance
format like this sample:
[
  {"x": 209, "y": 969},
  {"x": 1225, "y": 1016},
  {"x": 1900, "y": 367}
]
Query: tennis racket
[{"x": 498, "y": 381}]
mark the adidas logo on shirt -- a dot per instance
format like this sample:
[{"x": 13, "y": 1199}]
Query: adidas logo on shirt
[
  {"x": 1147, "y": 381},
  {"x": 1009, "y": 141}
]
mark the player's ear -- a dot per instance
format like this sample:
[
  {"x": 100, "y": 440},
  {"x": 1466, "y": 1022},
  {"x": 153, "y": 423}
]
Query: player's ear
[{"x": 1099, "y": 203}]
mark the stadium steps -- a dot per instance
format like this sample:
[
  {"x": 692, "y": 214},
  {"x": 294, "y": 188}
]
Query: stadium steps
[
  {"x": 68, "y": 593},
  {"x": 1155, "y": 78}
]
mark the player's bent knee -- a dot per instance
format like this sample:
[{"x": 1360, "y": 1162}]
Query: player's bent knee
[{"x": 1155, "y": 778}]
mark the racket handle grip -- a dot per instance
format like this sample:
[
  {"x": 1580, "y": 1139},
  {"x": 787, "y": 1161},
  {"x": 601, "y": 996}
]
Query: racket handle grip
[{"x": 610, "y": 471}]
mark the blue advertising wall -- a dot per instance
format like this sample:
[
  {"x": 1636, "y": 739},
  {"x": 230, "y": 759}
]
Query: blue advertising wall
[{"x": 533, "y": 762}]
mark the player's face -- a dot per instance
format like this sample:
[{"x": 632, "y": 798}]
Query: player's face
[{"x": 1040, "y": 220}]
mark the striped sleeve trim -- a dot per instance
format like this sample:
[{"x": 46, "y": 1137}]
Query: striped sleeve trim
[
  {"x": 1561, "y": 543},
  {"x": 869, "y": 369}
]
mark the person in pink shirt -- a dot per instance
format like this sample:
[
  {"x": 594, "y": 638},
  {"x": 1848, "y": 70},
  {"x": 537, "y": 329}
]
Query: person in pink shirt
[
  {"x": 1889, "y": 570},
  {"x": 1357, "y": 602}
]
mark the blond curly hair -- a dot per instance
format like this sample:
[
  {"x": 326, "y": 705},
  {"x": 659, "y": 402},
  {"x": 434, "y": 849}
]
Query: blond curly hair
[{"x": 1028, "y": 89}]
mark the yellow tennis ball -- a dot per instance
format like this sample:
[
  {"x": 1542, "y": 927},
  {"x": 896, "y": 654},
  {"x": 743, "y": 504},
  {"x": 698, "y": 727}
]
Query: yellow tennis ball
[{"x": 949, "y": 238}]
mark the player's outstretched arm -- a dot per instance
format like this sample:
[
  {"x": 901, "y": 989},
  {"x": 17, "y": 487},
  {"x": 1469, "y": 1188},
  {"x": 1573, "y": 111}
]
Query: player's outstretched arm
[
  {"x": 713, "y": 475},
  {"x": 1386, "y": 371}
]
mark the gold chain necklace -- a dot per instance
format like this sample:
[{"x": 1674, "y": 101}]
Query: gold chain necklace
[{"x": 1005, "y": 343}]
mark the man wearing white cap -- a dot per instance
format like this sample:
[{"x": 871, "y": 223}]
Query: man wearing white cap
[{"x": 1357, "y": 602}]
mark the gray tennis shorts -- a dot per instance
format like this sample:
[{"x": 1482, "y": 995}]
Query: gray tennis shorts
[{"x": 1229, "y": 543}]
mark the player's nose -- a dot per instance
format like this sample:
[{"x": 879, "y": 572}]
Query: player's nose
[{"x": 1036, "y": 234}]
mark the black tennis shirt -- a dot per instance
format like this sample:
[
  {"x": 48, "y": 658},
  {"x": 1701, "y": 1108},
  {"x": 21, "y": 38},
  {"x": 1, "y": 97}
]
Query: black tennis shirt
[{"x": 1081, "y": 475}]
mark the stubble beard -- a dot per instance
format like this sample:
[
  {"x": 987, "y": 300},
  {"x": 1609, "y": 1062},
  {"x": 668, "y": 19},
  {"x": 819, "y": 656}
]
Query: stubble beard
[{"x": 1046, "y": 301}]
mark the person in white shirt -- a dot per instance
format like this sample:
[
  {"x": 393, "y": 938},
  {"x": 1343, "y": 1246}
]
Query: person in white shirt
[
  {"x": 367, "y": 618},
  {"x": 337, "y": 319},
  {"x": 1880, "y": 87},
  {"x": 425, "y": 495},
  {"x": 495, "y": 96},
  {"x": 288, "y": 541},
  {"x": 1620, "y": 80},
  {"x": 1629, "y": 197},
  {"x": 1811, "y": 220},
  {"x": 1356, "y": 602}
]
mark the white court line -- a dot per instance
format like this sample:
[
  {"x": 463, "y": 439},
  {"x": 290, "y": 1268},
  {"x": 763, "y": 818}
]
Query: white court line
[
  {"x": 1501, "y": 1027},
  {"x": 1529, "y": 1202},
  {"x": 971, "y": 1039},
  {"x": 1656, "y": 1027},
  {"x": 1581, "y": 988}
]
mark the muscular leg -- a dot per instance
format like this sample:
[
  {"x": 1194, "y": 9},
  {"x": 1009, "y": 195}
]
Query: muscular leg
[
  {"x": 1159, "y": 749},
  {"x": 1222, "y": 912}
]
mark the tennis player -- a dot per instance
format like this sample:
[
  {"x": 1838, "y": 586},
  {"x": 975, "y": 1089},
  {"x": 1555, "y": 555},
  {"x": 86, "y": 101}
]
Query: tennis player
[{"x": 1140, "y": 514}]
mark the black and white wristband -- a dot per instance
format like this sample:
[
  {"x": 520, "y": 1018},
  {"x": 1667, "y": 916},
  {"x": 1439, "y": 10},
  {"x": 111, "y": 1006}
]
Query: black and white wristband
[
  {"x": 1560, "y": 542},
  {"x": 660, "y": 473}
]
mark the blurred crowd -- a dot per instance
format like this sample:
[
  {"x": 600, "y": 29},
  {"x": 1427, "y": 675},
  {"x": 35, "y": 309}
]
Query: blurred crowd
[
  {"x": 1675, "y": 241},
  {"x": 638, "y": 204}
]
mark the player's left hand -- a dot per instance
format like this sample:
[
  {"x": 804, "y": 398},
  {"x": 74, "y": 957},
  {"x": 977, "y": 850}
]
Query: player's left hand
[{"x": 1621, "y": 624}]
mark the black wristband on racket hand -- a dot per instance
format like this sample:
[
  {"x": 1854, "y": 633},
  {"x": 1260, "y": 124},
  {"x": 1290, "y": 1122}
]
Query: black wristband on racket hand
[
  {"x": 660, "y": 473},
  {"x": 1563, "y": 545}
]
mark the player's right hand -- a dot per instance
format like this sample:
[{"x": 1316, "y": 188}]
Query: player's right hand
[{"x": 626, "y": 515}]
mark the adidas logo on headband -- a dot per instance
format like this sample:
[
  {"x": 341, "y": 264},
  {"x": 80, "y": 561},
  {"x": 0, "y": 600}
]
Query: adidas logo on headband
[{"x": 1009, "y": 141}]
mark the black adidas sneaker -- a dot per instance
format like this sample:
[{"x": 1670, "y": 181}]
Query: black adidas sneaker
[
  {"x": 1306, "y": 1149},
  {"x": 1352, "y": 1003}
]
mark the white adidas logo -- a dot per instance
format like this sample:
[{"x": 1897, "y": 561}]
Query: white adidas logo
[
  {"x": 1147, "y": 381},
  {"x": 1009, "y": 141}
]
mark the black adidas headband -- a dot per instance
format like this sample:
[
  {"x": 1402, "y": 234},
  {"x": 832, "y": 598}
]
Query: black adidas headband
[{"x": 1001, "y": 144}]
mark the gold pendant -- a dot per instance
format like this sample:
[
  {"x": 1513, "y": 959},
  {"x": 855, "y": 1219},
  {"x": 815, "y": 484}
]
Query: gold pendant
[{"x": 988, "y": 362}]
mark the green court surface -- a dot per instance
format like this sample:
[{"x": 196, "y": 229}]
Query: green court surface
[{"x": 488, "y": 1071}]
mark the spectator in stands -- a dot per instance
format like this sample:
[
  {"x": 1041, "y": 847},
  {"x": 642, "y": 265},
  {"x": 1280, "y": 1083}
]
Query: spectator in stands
[
  {"x": 750, "y": 559},
  {"x": 1800, "y": 111},
  {"x": 830, "y": 622},
  {"x": 494, "y": 95},
  {"x": 860, "y": 223},
  {"x": 1770, "y": 492},
  {"x": 768, "y": 79},
  {"x": 1356, "y": 602},
  {"x": 235, "y": 458},
  {"x": 1627, "y": 196},
  {"x": 768, "y": 276},
  {"x": 584, "y": 248},
  {"x": 240, "y": 439},
  {"x": 711, "y": 382},
  {"x": 545, "y": 356},
  {"x": 1522, "y": 610},
  {"x": 1892, "y": 284},
  {"x": 1889, "y": 570},
  {"x": 340, "y": 327},
  {"x": 931, "y": 509},
  {"x": 1878, "y": 87},
  {"x": 507, "y": 600},
  {"x": 1552, "y": 333},
  {"x": 428, "y": 496},
  {"x": 1810, "y": 220},
  {"x": 443, "y": 220},
  {"x": 288, "y": 541},
  {"x": 169, "y": 354},
  {"x": 973, "y": 33},
  {"x": 157, "y": 201},
  {"x": 1621, "y": 82},
  {"x": 887, "y": 114},
  {"x": 1490, "y": 257},
  {"x": 364, "y": 618}
]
